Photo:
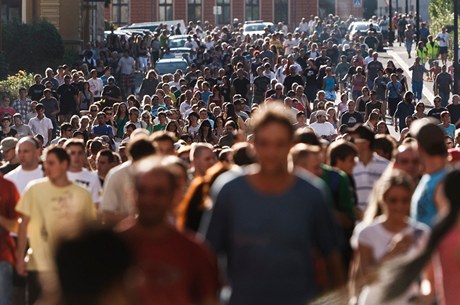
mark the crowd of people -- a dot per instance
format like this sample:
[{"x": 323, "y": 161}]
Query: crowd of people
[{"x": 272, "y": 153}]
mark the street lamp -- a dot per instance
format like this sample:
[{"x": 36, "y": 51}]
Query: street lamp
[
  {"x": 390, "y": 23},
  {"x": 417, "y": 20},
  {"x": 456, "y": 67}
]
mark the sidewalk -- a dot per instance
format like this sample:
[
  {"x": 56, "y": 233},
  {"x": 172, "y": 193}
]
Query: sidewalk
[{"x": 399, "y": 55}]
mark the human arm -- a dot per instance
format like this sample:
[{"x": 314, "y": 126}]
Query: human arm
[
  {"x": 21, "y": 265},
  {"x": 9, "y": 224}
]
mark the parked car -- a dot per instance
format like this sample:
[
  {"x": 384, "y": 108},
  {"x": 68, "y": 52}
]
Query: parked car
[
  {"x": 256, "y": 27},
  {"x": 170, "y": 65},
  {"x": 182, "y": 53},
  {"x": 360, "y": 28},
  {"x": 177, "y": 41},
  {"x": 152, "y": 26}
]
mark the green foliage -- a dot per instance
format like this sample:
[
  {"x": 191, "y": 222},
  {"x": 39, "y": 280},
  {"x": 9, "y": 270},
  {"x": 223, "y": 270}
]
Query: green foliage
[
  {"x": 441, "y": 13},
  {"x": 13, "y": 83},
  {"x": 108, "y": 25},
  {"x": 32, "y": 47}
]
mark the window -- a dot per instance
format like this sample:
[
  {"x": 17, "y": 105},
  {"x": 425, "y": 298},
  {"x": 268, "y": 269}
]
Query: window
[
  {"x": 165, "y": 10},
  {"x": 224, "y": 16},
  {"x": 252, "y": 10},
  {"x": 194, "y": 10},
  {"x": 120, "y": 12},
  {"x": 282, "y": 11}
]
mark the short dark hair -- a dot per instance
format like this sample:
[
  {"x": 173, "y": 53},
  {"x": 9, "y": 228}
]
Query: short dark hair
[
  {"x": 340, "y": 150},
  {"x": 140, "y": 147},
  {"x": 39, "y": 107},
  {"x": 273, "y": 114},
  {"x": 60, "y": 153},
  {"x": 107, "y": 153}
]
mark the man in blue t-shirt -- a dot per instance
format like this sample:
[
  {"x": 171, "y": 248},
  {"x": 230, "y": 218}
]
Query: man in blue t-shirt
[
  {"x": 102, "y": 128},
  {"x": 270, "y": 221},
  {"x": 433, "y": 155}
]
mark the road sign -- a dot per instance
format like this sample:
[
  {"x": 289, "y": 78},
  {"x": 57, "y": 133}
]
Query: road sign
[{"x": 357, "y": 3}]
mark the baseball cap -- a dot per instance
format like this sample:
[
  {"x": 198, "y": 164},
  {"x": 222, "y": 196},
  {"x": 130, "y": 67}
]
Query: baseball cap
[
  {"x": 8, "y": 143},
  {"x": 321, "y": 112}
]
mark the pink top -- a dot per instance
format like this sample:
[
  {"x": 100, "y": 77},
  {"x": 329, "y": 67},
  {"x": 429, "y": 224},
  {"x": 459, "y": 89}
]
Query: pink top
[{"x": 447, "y": 269}]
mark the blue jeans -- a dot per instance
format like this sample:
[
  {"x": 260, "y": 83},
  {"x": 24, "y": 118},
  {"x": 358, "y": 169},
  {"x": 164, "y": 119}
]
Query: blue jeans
[
  {"x": 444, "y": 98},
  {"x": 6, "y": 283},
  {"x": 417, "y": 87}
]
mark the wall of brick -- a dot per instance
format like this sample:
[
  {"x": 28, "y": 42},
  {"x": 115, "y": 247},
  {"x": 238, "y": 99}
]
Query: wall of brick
[
  {"x": 141, "y": 11},
  {"x": 303, "y": 9},
  {"x": 238, "y": 7},
  {"x": 345, "y": 8},
  {"x": 266, "y": 10},
  {"x": 180, "y": 10},
  {"x": 208, "y": 14}
]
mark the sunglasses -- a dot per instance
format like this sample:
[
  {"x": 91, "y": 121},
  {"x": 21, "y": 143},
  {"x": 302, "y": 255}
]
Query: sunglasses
[{"x": 146, "y": 117}]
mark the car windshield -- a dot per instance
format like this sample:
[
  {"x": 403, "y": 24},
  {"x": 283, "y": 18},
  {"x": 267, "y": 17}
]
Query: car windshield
[
  {"x": 255, "y": 27},
  {"x": 362, "y": 27},
  {"x": 177, "y": 43},
  {"x": 170, "y": 67}
]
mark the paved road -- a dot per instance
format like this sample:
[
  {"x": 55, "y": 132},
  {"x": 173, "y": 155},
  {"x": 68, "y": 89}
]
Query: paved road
[{"x": 399, "y": 56}]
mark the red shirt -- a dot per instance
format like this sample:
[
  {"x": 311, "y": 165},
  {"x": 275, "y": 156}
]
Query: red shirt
[
  {"x": 9, "y": 196},
  {"x": 178, "y": 269}
]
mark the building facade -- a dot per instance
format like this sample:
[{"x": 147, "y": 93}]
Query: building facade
[{"x": 218, "y": 12}]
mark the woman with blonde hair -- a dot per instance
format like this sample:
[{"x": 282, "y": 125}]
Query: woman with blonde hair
[{"x": 386, "y": 233}]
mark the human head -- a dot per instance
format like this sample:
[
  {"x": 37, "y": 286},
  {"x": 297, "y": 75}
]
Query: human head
[
  {"x": 342, "y": 154},
  {"x": 56, "y": 163},
  {"x": 163, "y": 141},
  {"x": 273, "y": 137},
  {"x": 155, "y": 188},
  {"x": 28, "y": 153},
  {"x": 307, "y": 157},
  {"x": 76, "y": 150},
  {"x": 93, "y": 266},
  {"x": 202, "y": 157},
  {"x": 391, "y": 196}
]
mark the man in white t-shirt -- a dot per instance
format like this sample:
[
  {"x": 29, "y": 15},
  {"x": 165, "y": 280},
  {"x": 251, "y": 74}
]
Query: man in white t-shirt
[
  {"x": 76, "y": 173},
  {"x": 116, "y": 204},
  {"x": 41, "y": 125},
  {"x": 28, "y": 154},
  {"x": 443, "y": 43},
  {"x": 322, "y": 128},
  {"x": 95, "y": 85}
]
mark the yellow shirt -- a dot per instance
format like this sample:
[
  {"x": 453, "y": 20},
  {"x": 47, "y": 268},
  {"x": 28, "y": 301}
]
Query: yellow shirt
[{"x": 53, "y": 211}]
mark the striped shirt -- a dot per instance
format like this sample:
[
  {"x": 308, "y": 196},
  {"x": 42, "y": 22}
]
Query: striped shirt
[{"x": 365, "y": 176}]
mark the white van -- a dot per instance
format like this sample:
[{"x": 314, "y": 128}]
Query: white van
[{"x": 152, "y": 26}]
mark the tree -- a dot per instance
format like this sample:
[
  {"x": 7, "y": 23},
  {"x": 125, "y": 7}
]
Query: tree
[{"x": 31, "y": 47}]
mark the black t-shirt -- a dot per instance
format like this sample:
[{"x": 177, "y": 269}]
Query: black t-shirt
[
  {"x": 36, "y": 92},
  {"x": 454, "y": 111},
  {"x": 11, "y": 133},
  {"x": 6, "y": 168},
  {"x": 289, "y": 80},
  {"x": 67, "y": 93},
  {"x": 111, "y": 91},
  {"x": 444, "y": 80},
  {"x": 436, "y": 113},
  {"x": 310, "y": 76},
  {"x": 372, "y": 68},
  {"x": 319, "y": 61},
  {"x": 351, "y": 119},
  {"x": 260, "y": 85},
  {"x": 241, "y": 86}
]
